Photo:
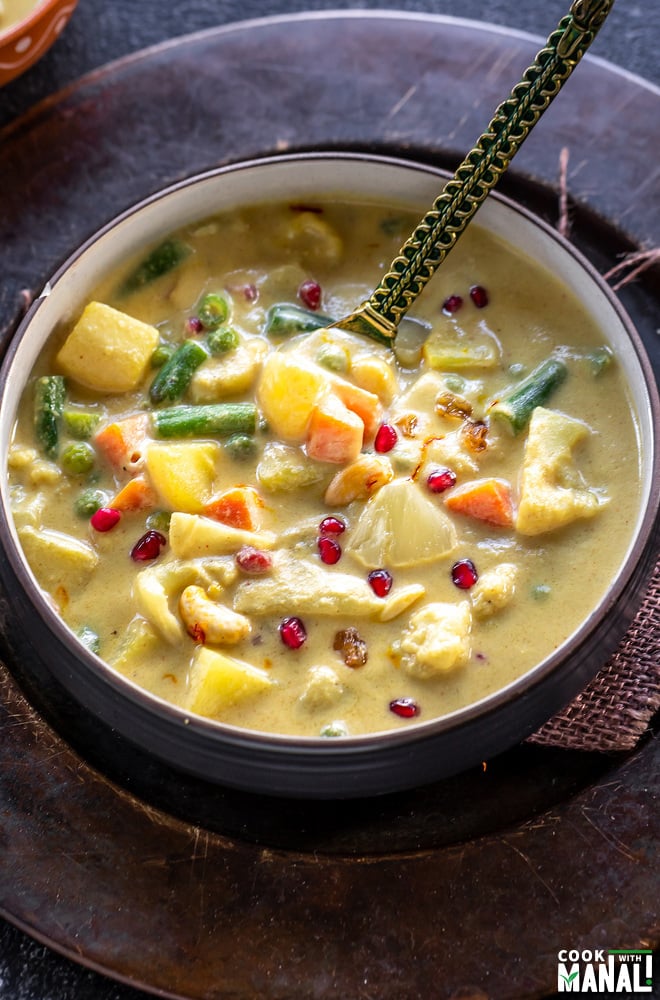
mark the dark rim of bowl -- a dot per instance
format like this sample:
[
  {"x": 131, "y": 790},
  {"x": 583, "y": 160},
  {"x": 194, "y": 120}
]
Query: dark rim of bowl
[{"x": 526, "y": 683}]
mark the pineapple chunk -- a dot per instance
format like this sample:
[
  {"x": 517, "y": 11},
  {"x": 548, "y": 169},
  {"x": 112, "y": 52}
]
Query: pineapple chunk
[
  {"x": 140, "y": 642},
  {"x": 400, "y": 526},
  {"x": 152, "y": 601},
  {"x": 107, "y": 350},
  {"x": 57, "y": 559},
  {"x": 288, "y": 390},
  {"x": 437, "y": 640},
  {"x": 183, "y": 473},
  {"x": 192, "y": 536},
  {"x": 218, "y": 681},
  {"x": 451, "y": 348},
  {"x": 552, "y": 493}
]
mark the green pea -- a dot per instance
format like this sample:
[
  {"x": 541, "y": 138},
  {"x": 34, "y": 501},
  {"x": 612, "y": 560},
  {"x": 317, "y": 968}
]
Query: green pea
[
  {"x": 161, "y": 354},
  {"x": 89, "y": 501},
  {"x": 159, "y": 520},
  {"x": 240, "y": 446},
  {"x": 334, "y": 729},
  {"x": 77, "y": 459},
  {"x": 224, "y": 339},
  {"x": 334, "y": 357},
  {"x": 213, "y": 311},
  {"x": 80, "y": 424},
  {"x": 541, "y": 591}
]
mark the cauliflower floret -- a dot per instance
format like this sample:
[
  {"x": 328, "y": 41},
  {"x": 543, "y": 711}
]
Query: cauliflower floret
[
  {"x": 494, "y": 589},
  {"x": 323, "y": 688},
  {"x": 437, "y": 640},
  {"x": 449, "y": 451},
  {"x": 552, "y": 493}
]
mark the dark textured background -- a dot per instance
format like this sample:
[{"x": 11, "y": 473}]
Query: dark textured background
[{"x": 105, "y": 30}]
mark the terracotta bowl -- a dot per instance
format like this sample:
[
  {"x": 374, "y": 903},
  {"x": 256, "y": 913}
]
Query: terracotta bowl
[
  {"x": 38, "y": 640},
  {"x": 24, "y": 42}
]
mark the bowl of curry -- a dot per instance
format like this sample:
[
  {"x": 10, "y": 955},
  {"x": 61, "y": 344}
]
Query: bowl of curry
[{"x": 286, "y": 558}]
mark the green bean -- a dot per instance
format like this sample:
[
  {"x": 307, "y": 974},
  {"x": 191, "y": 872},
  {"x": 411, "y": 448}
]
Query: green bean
[
  {"x": 215, "y": 419},
  {"x": 162, "y": 259},
  {"x": 174, "y": 377},
  {"x": 284, "y": 319},
  {"x": 49, "y": 398},
  {"x": 515, "y": 407}
]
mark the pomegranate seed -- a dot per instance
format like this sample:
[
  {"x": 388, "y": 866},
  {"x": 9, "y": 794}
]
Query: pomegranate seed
[
  {"x": 329, "y": 550},
  {"x": 440, "y": 480},
  {"x": 380, "y": 581},
  {"x": 405, "y": 708},
  {"x": 309, "y": 294},
  {"x": 464, "y": 574},
  {"x": 148, "y": 547},
  {"x": 105, "y": 519},
  {"x": 292, "y": 632},
  {"x": 452, "y": 304},
  {"x": 194, "y": 324},
  {"x": 386, "y": 438},
  {"x": 479, "y": 296},
  {"x": 332, "y": 526},
  {"x": 253, "y": 561},
  {"x": 250, "y": 293}
]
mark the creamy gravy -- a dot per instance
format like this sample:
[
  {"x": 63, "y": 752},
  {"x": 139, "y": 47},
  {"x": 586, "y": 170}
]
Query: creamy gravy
[{"x": 541, "y": 517}]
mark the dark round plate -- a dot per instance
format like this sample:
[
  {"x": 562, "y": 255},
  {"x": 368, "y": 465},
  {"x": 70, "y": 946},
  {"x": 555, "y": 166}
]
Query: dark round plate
[{"x": 475, "y": 883}]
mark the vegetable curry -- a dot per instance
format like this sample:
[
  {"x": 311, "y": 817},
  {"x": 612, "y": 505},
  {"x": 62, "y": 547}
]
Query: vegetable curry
[{"x": 296, "y": 530}]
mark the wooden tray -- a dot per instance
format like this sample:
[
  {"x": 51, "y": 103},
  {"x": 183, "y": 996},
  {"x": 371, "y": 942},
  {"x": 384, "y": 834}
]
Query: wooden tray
[{"x": 468, "y": 887}]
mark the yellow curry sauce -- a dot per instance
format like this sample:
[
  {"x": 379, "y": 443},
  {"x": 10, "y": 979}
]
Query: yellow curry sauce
[{"x": 296, "y": 530}]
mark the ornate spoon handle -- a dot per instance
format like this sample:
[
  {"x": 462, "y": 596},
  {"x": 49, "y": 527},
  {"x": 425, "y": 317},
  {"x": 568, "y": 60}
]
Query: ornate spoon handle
[{"x": 436, "y": 234}]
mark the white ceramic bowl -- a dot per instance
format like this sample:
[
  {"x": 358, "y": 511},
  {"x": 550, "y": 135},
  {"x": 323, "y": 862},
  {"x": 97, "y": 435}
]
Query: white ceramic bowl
[{"x": 37, "y": 639}]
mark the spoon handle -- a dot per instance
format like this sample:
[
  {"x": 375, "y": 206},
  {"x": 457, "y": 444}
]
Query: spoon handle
[{"x": 438, "y": 231}]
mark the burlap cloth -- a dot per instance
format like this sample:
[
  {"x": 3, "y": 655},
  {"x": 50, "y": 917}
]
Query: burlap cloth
[{"x": 614, "y": 710}]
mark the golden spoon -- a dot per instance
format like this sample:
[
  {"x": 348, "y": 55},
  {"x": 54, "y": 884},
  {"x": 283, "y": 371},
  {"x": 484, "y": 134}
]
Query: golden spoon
[{"x": 417, "y": 260}]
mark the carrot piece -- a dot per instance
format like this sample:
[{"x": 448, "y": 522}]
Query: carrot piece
[
  {"x": 486, "y": 500},
  {"x": 335, "y": 433},
  {"x": 136, "y": 494},
  {"x": 365, "y": 404},
  {"x": 239, "y": 507},
  {"x": 122, "y": 442}
]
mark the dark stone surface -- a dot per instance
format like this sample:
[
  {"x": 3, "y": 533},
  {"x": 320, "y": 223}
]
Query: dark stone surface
[{"x": 610, "y": 820}]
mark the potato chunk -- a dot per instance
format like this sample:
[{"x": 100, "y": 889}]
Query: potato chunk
[
  {"x": 218, "y": 681},
  {"x": 107, "y": 350}
]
